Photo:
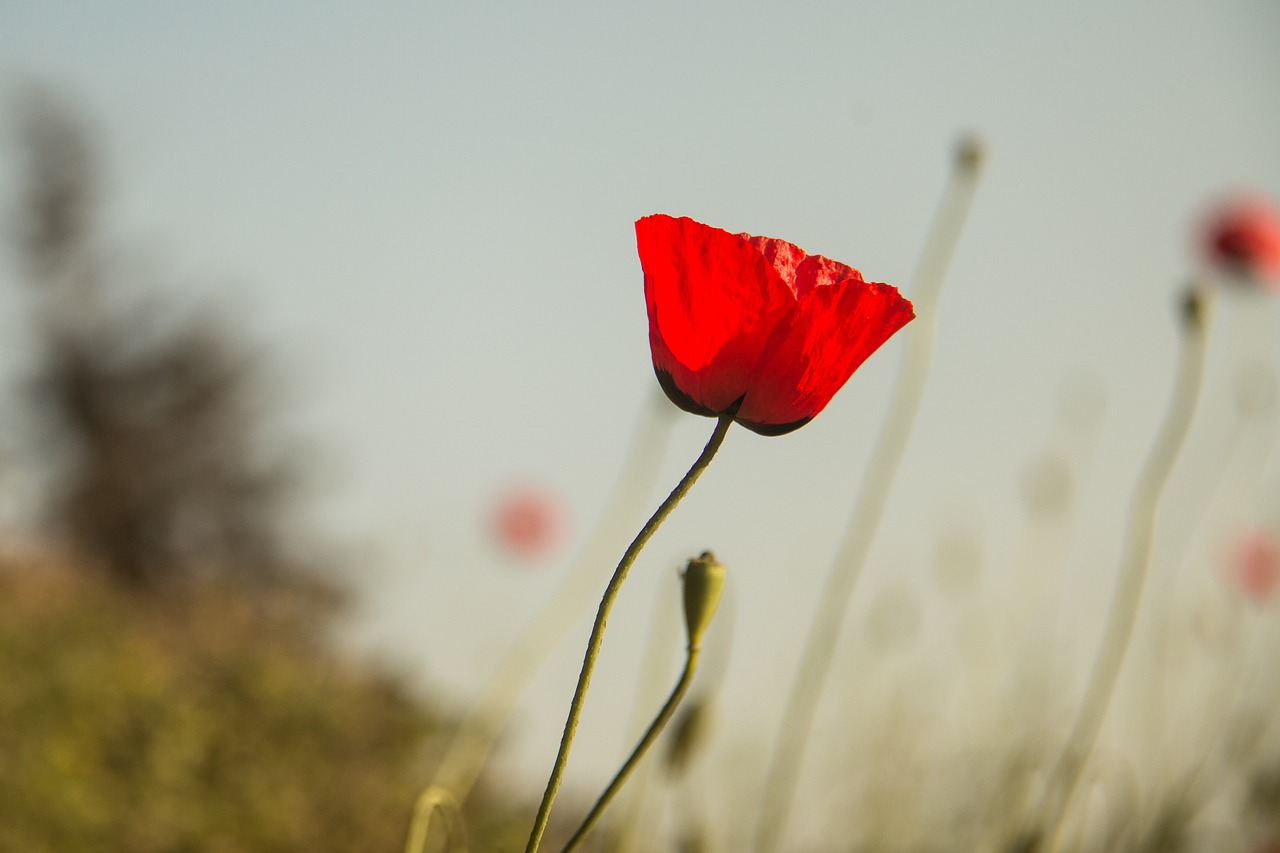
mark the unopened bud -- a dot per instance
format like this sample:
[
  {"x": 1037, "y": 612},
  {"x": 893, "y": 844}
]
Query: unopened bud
[
  {"x": 970, "y": 152},
  {"x": 703, "y": 580},
  {"x": 1193, "y": 308}
]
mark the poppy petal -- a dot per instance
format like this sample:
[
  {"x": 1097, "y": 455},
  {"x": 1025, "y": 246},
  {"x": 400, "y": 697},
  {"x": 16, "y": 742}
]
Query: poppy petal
[
  {"x": 713, "y": 301},
  {"x": 801, "y": 272},
  {"x": 816, "y": 348},
  {"x": 784, "y": 257}
]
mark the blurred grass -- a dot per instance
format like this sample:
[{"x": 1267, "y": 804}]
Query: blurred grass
[{"x": 201, "y": 719}]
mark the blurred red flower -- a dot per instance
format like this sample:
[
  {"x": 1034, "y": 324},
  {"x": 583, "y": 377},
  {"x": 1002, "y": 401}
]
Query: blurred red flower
[
  {"x": 528, "y": 523},
  {"x": 1242, "y": 238},
  {"x": 754, "y": 322},
  {"x": 1256, "y": 569}
]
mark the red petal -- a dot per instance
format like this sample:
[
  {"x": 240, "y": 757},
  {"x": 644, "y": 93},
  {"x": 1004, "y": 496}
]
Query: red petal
[
  {"x": 817, "y": 271},
  {"x": 801, "y": 272},
  {"x": 784, "y": 257},
  {"x": 713, "y": 302},
  {"x": 816, "y": 348}
]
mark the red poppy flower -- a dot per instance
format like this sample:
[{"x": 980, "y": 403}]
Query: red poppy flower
[
  {"x": 528, "y": 523},
  {"x": 1243, "y": 238},
  {"x": 753, "y": 325},
  {"x": 1257, "y": 565}
]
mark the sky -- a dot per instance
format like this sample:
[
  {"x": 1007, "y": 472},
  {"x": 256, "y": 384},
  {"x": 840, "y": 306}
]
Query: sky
[{"x": 424, "y": 211}]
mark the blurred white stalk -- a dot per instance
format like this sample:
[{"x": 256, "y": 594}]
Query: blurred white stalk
[
  {"x": 436, "y": 799},
  {"x": 1064, "y": 780},
  {"x": 788, "y": 753}
]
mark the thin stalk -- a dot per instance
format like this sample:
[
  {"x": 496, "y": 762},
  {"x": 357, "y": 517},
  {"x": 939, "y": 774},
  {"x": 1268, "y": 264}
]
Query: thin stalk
[
  {"x": 473, "y": 740},
  {"x": 650, "y": 735},
  {"x": 842, "y": 577},
  {"x": 653, "y": 676},
  {"x": 602, "y": 615},
  {"x": 628, "y": 838},
  {"x": 1132, "y": 576},
  {"x": 433, "y": 799}
]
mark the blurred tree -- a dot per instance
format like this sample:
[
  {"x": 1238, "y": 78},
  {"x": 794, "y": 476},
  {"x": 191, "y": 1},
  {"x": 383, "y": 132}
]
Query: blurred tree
[
  {"x": 210, "y": 715},
  {"x": 150, "y": 425}
]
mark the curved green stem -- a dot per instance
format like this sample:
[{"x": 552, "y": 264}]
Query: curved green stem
[
  {"x": 1133, "y": 571},
  {"x": 602, "y": 615},
  {"x": 652, "y": 685},
  {"x": 650, "y": 735},
  {"x": 842, "y": 577},
  {"x": 474, "y": 738},
  {"x": 433, "y": 799}
]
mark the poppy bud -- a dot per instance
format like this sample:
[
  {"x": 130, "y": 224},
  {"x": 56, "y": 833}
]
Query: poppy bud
[
  {"x": 703, "y": 580},
  {"x": 970, "y": 153},
  {"x": 1193, "y": 308}
]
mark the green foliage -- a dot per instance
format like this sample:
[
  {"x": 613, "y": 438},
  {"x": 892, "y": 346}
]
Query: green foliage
[{"x": 203, "y": 720}]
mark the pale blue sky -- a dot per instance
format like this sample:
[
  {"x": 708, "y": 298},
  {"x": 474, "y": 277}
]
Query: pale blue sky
[{"x": 426, "y": 211}]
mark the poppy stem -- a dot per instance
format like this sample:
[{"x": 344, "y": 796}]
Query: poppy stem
[
  {"x": 602, "y": 615},
  {"x": 627, "y": 835},
  {"x": 811, "y": 673},
  {"x": 650, "y": 735},
  {"x": 1118, "y": 632},
  {"x": 473, "y": 739}
]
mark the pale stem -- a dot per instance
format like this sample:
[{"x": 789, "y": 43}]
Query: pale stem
[
  {"x": 435, "y": 799},
  {"x": 811, "y": 674},
  {"x": 1132, "y": 574}
]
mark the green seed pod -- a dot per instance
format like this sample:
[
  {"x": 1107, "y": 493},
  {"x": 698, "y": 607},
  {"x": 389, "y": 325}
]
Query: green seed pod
[{"x": 703, "y": 580}]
